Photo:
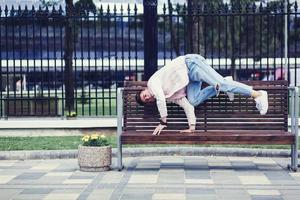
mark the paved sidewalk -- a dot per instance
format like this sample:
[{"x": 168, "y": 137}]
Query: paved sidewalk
[{"x": 165, "y": 177}]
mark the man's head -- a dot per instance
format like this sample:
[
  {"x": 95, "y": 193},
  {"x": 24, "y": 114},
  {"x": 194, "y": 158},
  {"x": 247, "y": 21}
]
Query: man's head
[{"x": 144, "y": 96}]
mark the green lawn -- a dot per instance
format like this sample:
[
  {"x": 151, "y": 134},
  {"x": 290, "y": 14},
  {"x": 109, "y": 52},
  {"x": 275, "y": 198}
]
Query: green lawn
[{"x": 72, "y": 142}]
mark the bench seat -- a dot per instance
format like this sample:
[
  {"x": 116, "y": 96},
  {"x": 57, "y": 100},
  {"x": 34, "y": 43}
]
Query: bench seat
[{"x": 210, "y": 137}]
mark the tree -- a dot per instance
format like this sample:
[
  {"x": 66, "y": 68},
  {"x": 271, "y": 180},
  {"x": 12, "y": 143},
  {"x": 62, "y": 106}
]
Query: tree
[{"x": 80, "y": 8}]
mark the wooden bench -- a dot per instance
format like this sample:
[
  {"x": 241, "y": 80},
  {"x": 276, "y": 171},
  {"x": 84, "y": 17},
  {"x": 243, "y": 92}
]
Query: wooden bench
[{"x": 219, "y": 121}]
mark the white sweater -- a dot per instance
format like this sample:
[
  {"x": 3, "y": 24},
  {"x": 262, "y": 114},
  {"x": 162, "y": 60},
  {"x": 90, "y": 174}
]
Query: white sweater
[{"x": 165, "y": 82}]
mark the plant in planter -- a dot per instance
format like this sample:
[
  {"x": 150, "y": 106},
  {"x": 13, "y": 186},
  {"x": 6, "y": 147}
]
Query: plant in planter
[
  {"x": 94, "y": 154},
  {"x": 71, "y": 115}
]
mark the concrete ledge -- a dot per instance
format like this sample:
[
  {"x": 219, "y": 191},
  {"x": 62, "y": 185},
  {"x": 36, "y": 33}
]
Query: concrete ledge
[
  {"x": 56, "y": 123},
  {"x": 149, "y": 151}
]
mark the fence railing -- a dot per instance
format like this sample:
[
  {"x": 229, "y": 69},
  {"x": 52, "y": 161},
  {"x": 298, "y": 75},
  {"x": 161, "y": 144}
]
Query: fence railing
[{"x": 111, "y": 44}]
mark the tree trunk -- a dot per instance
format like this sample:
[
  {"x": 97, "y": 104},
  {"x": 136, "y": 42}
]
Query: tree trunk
[
  {"x": 68, "y": 57},
  {"x": 195, "y": 42}
]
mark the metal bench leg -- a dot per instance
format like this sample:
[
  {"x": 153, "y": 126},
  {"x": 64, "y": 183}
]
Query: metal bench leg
[
  {"x": 294, "y": 158},
  {"x": 294, "y": 126},
  {"x": 119, "y": 128},
  {"x": 119, "y": 154}
]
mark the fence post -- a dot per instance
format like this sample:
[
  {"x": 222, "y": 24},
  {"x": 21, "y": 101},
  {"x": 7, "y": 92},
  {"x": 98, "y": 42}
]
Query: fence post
[
  {"x": 68, "y": 57},
  {"x": 286, "y": 40},
  {"x": 150, "y": 37}
]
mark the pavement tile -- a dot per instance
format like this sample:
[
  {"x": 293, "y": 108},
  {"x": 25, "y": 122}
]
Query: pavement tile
[
  {"x": 199, "y": 181},
  {"x": 168, "y": 196},
  {"x": 168, "y": 189},
  {"x": 232, "y": 194},
  {"x": 145, "y": 179},
  {"x": 112, "y": 177},
  {"x": 9, "y": 193},
  {"x": 200, "y": 197},
  {"x": 36, "y": 191},
  {"x": 255, "y": 180},
  {"x": 45, "y": 166},
  {"x": 6, "y": 178},
  {"x": 59, "y": 174},
  {"x": 64, "y": 196},
  {"x": 100, "y": 194},
  {"x": 202, "y": 191},
  {"x": 259, "y": 197},
  {"x": 264, "y": 192},
  {"x": 28, "y": 175},
  {"x": 29, "y": 197},
  {"x": 6, "y": 163},
  {"x": 136, "y": 196},
  {"x": 78, "y": 181}
]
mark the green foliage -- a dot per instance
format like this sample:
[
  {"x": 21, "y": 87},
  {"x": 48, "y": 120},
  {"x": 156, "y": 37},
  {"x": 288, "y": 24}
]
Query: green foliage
[{"x": 49, "y": 3}]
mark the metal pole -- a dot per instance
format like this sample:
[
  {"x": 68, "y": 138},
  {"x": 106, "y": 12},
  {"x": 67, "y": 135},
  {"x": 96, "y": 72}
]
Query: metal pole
[
  {"x": 150, "y": 38},
  {"x": 296, "y": 126},
  {"x": 119, "y": 127},
  {"x": 285, "y": 40}
]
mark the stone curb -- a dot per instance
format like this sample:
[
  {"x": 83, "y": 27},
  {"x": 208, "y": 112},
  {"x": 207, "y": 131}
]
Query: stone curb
[{"x": 149, "y": 151}]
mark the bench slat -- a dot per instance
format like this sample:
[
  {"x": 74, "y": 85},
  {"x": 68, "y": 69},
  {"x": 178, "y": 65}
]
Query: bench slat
[{"x": 208, "y": 138}]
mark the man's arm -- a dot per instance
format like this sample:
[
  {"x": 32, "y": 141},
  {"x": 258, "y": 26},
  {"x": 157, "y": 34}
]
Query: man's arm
[
  {"x": 189, "y": 112},
  {"x": 161, "y": 105}
]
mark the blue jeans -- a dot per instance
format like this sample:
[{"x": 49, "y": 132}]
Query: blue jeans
[{"x": 199, "y": 71}]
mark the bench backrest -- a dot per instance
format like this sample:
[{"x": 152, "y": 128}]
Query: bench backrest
[{"x": 215, "y": 114}]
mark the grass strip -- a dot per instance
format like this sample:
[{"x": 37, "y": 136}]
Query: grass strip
[{"x": 72, "y": 142}]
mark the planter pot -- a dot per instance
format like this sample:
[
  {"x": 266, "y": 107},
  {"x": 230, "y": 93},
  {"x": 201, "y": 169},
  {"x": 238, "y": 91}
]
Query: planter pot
[{"x": 94, "y": 159}]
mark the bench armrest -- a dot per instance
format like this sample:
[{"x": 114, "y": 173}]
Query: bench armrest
[{"x": 294, "y": 107}]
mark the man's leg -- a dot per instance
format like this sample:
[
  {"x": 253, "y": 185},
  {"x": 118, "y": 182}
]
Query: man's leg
[
  {"x": 199, "y": 70},
  {"x": 196, "y": 96}
]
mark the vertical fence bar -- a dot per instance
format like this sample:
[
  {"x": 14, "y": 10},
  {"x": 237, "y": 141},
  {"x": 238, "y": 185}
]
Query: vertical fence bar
[
  {"x": 275, "y": 44},
  {"x": 170, "y": 27},
  {"x": 1, "y": 58},
  {"x": 82, "y": 72},
  {"x": 48, "y": 75},
  {"x": 226, "y": 35},
  {"x": 102, "y": 56},
  {"x": 89, "y": 98},
  {"x": 96, "y": 62},
  {"x": 62, "y": 65},
  {"x": 296, "y": 41},
  {"x": 164, "y": 32},
  {"x": 109, "y": 58},
  {"x": 55, "y": 61},
  {"x": 7, "y": 65},
  {"x": 135, "y": 39},
  {"x": 285, "y": 39},
  {"x": 26, "y": 88},
  {"x": 129, "y": 44},
  {"x": 150, "y": 37},
  {"x": 116, "y": 47}
]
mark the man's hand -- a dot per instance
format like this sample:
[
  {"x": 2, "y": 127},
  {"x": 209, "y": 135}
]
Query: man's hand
[
  {"x": 158, "y": 129},
  {"x": 190, "y": 130},
  {"x": 187, "y": 131}
]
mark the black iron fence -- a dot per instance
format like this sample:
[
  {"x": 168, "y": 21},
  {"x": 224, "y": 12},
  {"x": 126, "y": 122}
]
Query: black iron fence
[{"x": 55, "y": 62}]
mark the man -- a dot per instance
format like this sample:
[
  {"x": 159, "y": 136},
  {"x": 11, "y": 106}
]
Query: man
[{"x": 180, "y": 81}]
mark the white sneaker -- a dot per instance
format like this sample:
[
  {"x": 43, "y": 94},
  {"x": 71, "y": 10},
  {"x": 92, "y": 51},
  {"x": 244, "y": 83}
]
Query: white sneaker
[
  {"x": 262, "y": 102},
  {"x": 229, "y": 94}
]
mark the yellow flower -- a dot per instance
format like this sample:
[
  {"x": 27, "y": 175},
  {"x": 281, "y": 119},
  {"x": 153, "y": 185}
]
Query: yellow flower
[
  {"x": 85, "y": 138},
  {"x": 94, "y": 136},
  {"x": 102, "y": 136}
]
